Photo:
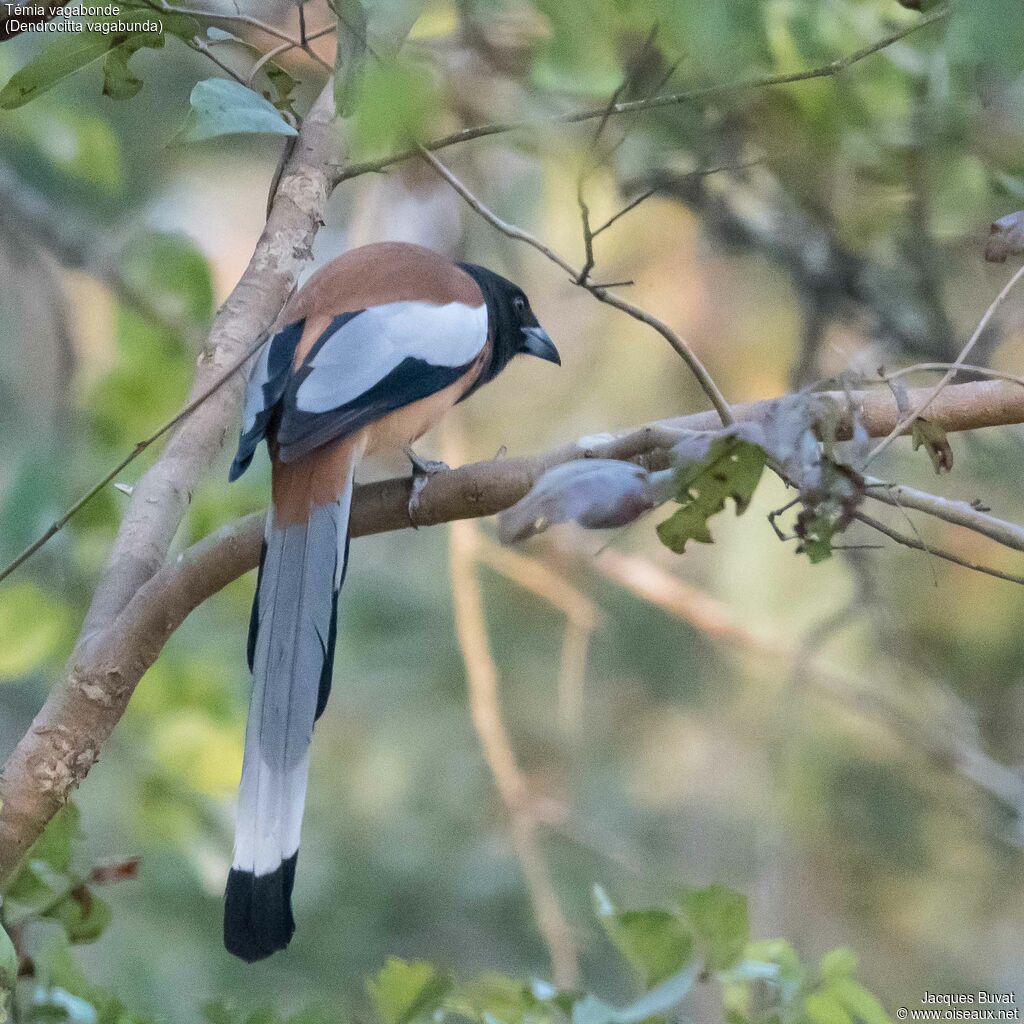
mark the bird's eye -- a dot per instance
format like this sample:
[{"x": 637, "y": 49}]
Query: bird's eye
[{"x": 519, "y": 304}]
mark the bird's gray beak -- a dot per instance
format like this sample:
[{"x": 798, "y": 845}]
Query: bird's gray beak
[{"x": 540, "y": 345}]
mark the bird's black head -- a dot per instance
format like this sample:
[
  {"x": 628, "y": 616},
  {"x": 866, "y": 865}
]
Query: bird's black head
[{"x": 513, "y": 326}]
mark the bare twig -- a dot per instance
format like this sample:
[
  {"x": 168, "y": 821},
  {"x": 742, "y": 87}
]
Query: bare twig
[
  {"x": 931, "y": 549},
  {"x": 201, "y": 46},
  {"x": 697, "y": 368},
  {"x": 921, "y": 407},
  {"x": 244, "y": 19},
  {"x": 978, "y": 371}
]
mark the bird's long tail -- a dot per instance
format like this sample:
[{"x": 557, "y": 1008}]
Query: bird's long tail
[{"x": 291, "y": 653}]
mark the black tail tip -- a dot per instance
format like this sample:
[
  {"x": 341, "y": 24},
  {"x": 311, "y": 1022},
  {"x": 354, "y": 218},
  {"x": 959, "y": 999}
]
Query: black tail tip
[{"x": 258, "y": 912}]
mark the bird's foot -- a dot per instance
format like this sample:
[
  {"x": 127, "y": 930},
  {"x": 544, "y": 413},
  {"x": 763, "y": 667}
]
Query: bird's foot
[{"x": 422, "y": 471}]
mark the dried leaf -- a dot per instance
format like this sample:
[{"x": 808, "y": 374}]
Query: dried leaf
[
  {"x": 111, "y": 872},
  {"x": 1006, "y": 238},
  {"x": 936, "y": 443}
]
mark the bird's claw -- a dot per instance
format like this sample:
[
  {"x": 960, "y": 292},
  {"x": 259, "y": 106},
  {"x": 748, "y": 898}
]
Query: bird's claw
[{"x": 422, "y": 471}]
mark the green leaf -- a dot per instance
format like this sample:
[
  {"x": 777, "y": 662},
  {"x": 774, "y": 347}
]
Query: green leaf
[
  {"x": 838, "y": 963},
  {"x": 184, "y": 26},
  {"x": 825, "y": 1008},
  {"x": 353, "y": 43},
  {"x": 84, "y": 915},
  {"x": 404, "y": 991},
  {"x": 62, "y": 58},
  {"x": 282, "y": 85},
  {"x": 56, "y": 845},
  {"x": 44, "y": 879},
  {"x": 397, "y": 101},
  {"x": 730, "y": 468},
  {"x": 118, "y": 81},
  {"x": 719, "y": 917},
  {"x": 655, "y": 942},
  {"x": 936, "y": 443},
  {"x": 223, "y": 107},
  {"x": 860, "y": 1002}
]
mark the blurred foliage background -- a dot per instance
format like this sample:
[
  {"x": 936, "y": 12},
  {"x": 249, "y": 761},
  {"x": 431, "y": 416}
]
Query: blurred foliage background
[{"x": 841, "y": 231}]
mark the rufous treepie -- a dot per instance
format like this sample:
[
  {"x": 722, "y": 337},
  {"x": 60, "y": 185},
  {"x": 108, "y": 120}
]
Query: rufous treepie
[{"x": 377, "y": 346}]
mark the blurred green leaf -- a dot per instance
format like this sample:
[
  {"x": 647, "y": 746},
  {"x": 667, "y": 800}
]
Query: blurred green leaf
[
  {"x": 174, "y": 275},
  {"x": 220, "y": 106},
  {"x": 579, "y": 62},
  {"x": 185, "y": 26},
  {"x": 731, "y": 468},
  {"x": 655, "y": 942},
  {"x": 63, "y": 57},
  {"x": 404, "y": 991},
  {"x": 859, "y": 1001},
  {"x": 84, "y": 915},
  {"x": 118, "y": 81},
  {"x": 838, "y": 963},
  {"x": 397, "y": 102},
  {"x": 75, "y": 142},
  {"x": 56, "y": 845},
  {"x": 824, "y": 1008},
  {"x": 719, "y": 917}
]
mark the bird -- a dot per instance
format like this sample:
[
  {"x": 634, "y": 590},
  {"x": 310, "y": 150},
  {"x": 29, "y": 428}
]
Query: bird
[{"x": 375, "y": 348}]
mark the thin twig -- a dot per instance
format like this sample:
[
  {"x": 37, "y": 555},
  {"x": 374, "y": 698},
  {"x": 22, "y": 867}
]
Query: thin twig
[
  {"x": 930, "y": 549},
  {"x": 242, "y": 19},
  {"x": 951, "y": 372},
  {"x": 704, "y": 378},
  {"x": 959, "y": 367},
  {"x": 200, "y": 46}
]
